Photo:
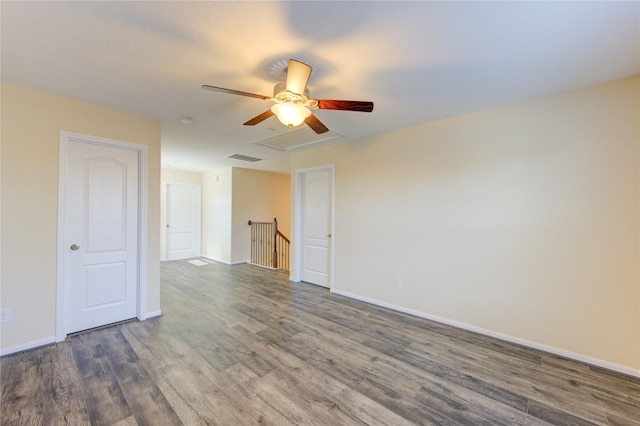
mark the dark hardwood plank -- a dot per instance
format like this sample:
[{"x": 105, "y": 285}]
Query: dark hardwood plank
[
  {"x": 555, "y": 416},
  {"x": 103, "y": 396},
  {"x": 146, "y": 401}
]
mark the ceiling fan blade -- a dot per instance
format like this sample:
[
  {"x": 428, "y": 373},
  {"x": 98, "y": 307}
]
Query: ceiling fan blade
[
  {"x": 259, "y": 118},
  {"x": 345, "y": 105},
  {"x": 234, "y": 92},
  {"x": 317, "y": 126},
  {"x": 297, "y": 76}
]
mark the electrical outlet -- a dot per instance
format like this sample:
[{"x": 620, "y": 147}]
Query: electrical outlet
[
  {"x": 5, "y": 315},
  {"x": 399, "y": 284}
]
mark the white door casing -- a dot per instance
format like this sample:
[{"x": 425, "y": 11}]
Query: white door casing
[
  {"x": 101, "y": 233},
  {"x": 182, "y": 220},
  {"x": 314, "y": 201}
]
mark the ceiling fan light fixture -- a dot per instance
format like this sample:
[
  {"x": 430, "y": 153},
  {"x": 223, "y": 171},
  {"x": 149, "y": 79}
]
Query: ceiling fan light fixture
[{"x": 291, "y": 115}]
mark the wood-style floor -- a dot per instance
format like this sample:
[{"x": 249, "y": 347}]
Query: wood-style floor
[{"x": 240, "y": 345}]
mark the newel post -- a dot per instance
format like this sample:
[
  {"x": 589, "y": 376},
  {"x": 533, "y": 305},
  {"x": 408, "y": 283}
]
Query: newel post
[{"x": 275, "y": 248}]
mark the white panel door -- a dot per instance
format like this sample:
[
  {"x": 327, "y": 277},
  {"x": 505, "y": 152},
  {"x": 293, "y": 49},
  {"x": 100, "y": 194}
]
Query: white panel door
[
  {"x": 316, "y": 226},
  {"x": 183, "y": 221},
  {"x": 101, "y": 236}
]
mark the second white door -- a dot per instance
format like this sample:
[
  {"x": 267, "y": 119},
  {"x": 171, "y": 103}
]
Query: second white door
[
  {"x": 183, "y": 220},
  {"x": 316, "y": 225}
]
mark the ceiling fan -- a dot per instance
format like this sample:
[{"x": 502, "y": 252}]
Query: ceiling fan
[{"x": 293, "y": 102}]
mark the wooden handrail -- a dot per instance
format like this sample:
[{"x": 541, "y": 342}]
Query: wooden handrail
[
  {"x": 283, "y": 237},
  {"x": 268, "y": 245}
]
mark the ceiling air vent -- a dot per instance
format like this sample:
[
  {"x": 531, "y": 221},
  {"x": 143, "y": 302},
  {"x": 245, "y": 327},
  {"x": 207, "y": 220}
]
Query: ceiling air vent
[
  {"x": 300, "y": 138},
  {"x": 244, "y": 158}
]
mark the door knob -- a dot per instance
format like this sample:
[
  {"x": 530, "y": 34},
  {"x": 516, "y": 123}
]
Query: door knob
[{"x": 74, "y": 247}]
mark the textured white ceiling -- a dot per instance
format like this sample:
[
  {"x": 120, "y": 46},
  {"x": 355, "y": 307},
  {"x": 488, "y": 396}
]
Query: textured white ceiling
[{"x": 417, "y": 61}]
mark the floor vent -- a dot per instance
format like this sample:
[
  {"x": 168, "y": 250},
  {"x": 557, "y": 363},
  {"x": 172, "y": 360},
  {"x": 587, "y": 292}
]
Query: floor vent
[{"x": 244, "y": 158}]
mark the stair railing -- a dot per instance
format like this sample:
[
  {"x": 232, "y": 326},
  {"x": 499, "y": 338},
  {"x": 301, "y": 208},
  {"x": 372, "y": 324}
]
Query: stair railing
[{"x": 269, "y": 246}]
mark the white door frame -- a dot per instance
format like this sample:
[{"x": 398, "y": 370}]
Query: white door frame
[
  {"x": 143, "y": 157},
  {"x": 298, "y": 240},
  {"x": 166, "y": 214}
]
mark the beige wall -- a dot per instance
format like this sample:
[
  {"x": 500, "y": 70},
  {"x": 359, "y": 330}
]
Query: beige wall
[
  {"x": 216, "y": 215},
  {"x": 258, "y": 196},
  {"x": 521, "y": 221},
  {"x": 232, "y": 197},
  {"x": 172, "y": 176},
  {"x": 31, "y": 124}
]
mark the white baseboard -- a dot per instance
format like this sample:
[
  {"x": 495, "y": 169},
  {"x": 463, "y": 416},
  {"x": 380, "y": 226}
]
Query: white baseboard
[
  {"x": 213, "y": 259},
  {"x": 154, "y": 314},
  {"x": 49, "y": 340},
  {"x": 534, "y": 345},
  {"x": 27, "y": 346},
  {"x": 224, "y": 261}
]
